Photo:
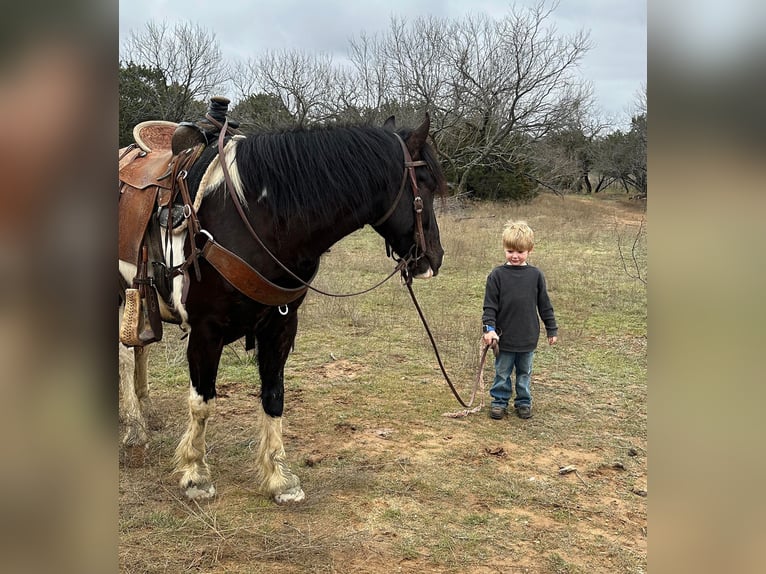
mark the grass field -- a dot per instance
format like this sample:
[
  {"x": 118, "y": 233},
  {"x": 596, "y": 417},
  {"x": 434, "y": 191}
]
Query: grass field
[{"x": 391, "y": 484}]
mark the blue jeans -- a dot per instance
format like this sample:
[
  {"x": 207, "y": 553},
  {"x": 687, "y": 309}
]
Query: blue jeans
[{"x": 501, "y": 390}]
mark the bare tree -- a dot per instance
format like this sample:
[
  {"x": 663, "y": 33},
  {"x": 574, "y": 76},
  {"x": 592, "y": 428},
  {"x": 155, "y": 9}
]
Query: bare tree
[
  {"x": 493, "y": 87},
  {"x": 639, "y": 101},
  {"x": 189, "y": 60},
  {"x": 306, "y": 84},
  {"x": 417, "y": 61},
  {"x": 515, "y": 83},
  {"x": 620, "y": 157},
  {"x": 368, "y": 89},
  {"x": 565, "y": 157},
  {"x": 639, "y": 131}
]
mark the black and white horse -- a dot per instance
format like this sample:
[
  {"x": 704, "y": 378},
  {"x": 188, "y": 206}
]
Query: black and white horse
[{"x": 301, "y": 191}]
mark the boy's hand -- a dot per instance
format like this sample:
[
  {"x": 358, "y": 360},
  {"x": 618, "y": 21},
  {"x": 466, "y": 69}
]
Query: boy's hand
[
  {"x": 552, "y": 340},
  {"x": 491, "y": 339}
]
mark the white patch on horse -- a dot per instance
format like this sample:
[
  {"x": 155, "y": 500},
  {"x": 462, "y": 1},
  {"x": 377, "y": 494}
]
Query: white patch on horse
[
  {"x": 189, "y": 457},
  {"x": 427, "y": 275},
  {"x": 128, "y": 271},
  {"x": 274, "y": 475},
  {"x": 213, "y": 177},
  {"x": 174, "y": 255},
  {"x": 263, "y": 195},
  {"x": 175, "y": 248}
]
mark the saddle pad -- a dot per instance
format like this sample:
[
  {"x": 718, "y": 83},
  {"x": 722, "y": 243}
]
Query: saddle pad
[{"x": 154, "y": 135}]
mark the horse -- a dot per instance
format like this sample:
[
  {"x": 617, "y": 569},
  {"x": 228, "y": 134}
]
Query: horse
[{"x": 298, "y": 191}]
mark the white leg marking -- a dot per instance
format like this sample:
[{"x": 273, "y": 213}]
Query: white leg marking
[
  {"x": 141, "y": 356},
  {"x": 141, "y": 378},
  {"x": 190, "y": 454},
  {"x": 275, "y": 477}
]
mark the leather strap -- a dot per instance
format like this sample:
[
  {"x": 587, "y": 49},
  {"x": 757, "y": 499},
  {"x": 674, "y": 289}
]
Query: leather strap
[
  {"x": 409, "y": 167},
  {"x": 246, "y": 279},
  {"x": 230, "y": 266}
]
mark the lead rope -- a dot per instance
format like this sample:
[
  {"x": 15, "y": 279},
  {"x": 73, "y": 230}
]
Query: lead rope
[{"x": 479, "y": 382}]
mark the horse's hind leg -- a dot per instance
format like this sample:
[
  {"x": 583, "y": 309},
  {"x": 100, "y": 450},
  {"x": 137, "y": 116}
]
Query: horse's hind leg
[
  {"x": 136, "y": 435},
  {"x": 204, "y": 354},
  {"x": 274, "y": 475},
  {"x": 141, "y": 378}
]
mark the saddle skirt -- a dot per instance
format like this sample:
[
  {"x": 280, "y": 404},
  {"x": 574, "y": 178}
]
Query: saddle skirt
[{"x": 142, "y": 175}]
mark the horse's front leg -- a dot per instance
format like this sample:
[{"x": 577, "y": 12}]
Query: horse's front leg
[
  {"x": 275, "y": 340},
  {"x": 203, "y": 354}
]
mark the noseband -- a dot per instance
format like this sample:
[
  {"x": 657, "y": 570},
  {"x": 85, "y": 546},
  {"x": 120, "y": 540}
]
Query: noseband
[{"x": 417, "y": 202}]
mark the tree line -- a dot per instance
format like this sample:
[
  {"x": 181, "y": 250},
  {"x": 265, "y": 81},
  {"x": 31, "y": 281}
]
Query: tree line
[{"x": 509, "y": 113}]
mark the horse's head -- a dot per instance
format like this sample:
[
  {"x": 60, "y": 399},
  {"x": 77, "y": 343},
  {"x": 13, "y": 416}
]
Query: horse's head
[{"x": 410, "y": 225}]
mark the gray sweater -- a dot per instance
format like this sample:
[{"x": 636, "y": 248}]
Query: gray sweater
[{"x": 513, "y": 298}]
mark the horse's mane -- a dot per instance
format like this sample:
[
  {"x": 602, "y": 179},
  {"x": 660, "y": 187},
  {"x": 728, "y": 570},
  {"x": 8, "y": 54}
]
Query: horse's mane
[{"x": 315, "y": 173}]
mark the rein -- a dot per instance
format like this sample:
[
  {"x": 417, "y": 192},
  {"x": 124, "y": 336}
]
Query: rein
[
  {"x": 401, "y": 264},
  {"x": 479, "y": 378}
]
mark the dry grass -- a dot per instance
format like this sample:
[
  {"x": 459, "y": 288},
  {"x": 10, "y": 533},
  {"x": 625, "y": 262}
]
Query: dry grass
[{"x": 391, "y": 484}]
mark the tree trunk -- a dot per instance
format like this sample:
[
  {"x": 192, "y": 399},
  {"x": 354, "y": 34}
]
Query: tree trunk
[{"x": 586, "y": 181}]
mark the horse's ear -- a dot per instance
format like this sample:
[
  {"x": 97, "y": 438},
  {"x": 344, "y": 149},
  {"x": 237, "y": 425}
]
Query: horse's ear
[
  {"x": 418, "y": 138},
  {"x": 390, "y": 124}
]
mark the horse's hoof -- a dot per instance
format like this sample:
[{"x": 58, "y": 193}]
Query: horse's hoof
[
  {"x": 294, "y": 494},
  {"x": 197, "y": 492}
]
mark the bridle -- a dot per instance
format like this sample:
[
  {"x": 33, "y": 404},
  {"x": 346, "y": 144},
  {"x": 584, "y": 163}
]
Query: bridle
[{"x": 417, "y": 202}]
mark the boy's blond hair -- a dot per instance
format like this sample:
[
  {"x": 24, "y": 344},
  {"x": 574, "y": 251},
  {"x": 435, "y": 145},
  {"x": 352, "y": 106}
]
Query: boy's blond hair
[{"x": 518, "y": 236}]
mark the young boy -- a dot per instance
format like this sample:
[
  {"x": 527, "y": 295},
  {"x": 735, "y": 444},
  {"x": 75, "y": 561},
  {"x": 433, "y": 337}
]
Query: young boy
[{"x": 514, "y": 296}]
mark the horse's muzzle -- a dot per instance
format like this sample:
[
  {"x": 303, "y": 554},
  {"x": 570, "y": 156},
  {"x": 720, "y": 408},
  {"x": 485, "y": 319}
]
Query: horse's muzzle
[
  {"x": 427, "y": 275},
  {"x": 427, "y": 266}
]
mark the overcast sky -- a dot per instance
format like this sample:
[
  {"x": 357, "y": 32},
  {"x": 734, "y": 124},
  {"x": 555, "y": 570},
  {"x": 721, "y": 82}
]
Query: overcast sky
[{"x": 615, "y": 66}]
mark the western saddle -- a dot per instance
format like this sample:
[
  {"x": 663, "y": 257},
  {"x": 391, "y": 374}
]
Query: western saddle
[
  {"x": 148, "y": 170},
  {"x": 150, "y": 173}
]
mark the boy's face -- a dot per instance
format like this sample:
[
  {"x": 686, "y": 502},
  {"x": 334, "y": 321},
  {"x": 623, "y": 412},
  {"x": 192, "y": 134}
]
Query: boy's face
[{"x": 513, "y": 257}]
